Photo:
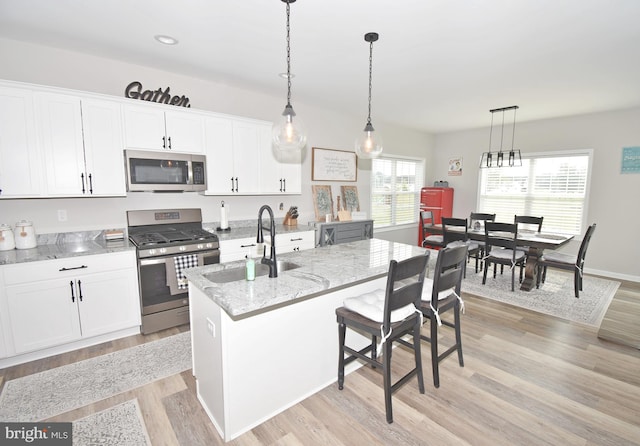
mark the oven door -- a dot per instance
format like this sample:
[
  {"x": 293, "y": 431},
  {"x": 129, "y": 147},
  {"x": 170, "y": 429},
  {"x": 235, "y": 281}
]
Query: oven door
[{"x": 155, "y": 290}]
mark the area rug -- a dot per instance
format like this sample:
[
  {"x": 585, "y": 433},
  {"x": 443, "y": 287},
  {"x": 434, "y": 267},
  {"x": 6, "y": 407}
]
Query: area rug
[
  {"x": 42, "y": 395},
  {"x": 554, "y": 297},
  {"x": 116, "y": 426}
]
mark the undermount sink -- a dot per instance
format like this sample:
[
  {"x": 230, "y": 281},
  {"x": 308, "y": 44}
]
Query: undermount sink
[{"x": 235, "y": 274}]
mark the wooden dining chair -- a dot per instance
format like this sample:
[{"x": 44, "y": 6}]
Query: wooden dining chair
[
  {"x": 435, "y": 241},
  {"x": 527, "y": 222},
  {"x": 567, "y": 262},
  {"x": 442, "y": 294},
  {"x": 391, "y": 314},
  {"x": 477, "y": 221},
  {"x": 455, "y": 232},
  {"x": 501, "y": 242}
]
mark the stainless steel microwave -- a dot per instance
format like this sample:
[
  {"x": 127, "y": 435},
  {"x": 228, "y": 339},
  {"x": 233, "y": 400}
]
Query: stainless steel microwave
[{"x": 149, "y": 171}]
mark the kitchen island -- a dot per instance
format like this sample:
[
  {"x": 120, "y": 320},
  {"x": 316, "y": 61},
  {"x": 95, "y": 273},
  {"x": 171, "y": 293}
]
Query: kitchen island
[{"x": 259, "y": 347}]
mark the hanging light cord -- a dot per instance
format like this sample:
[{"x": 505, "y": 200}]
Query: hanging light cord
[
  {"x": 370, "y": 75},
  {"x": 288, "y": 59},
  {"x": 490, "y": 131},
  {"x": 513, "y": 137}
]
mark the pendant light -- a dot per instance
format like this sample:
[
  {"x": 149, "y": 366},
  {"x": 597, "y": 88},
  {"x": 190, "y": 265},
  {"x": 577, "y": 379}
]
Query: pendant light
[
  {"x": 369, "y": 144},
  {"x": 289, "y": 134},
  {"x": 497, "y": 159}
]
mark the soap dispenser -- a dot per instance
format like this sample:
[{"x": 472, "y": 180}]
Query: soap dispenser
[{"x": 250, "y": 267}]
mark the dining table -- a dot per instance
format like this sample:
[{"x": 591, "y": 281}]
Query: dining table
[{"x": 535, "y": 242}]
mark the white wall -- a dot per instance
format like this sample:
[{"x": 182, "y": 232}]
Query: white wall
[
  {"x": 48, "y": 66},
  {"x": 614, "y": 197},
  {"x": 614, "y": 201}
]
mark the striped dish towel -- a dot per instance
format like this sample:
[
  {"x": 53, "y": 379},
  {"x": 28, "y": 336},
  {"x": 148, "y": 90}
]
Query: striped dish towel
[{"x": 182, "y": 263}]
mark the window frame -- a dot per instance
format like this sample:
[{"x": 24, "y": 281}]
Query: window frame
[
  {"x": 553, "y": 154},
  {"x": 419, "y": 184}
]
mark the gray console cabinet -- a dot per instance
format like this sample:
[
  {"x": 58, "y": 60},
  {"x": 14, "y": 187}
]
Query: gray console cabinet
[{"x": 342, "y": 231}]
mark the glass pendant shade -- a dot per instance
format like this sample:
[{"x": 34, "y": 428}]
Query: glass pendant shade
[
  {"x": 369, "y": 144},
  {"x": 289, "y": 134}
]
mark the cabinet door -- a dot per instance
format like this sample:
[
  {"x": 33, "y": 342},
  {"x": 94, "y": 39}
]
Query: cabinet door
[
  {"x": 280, "y": 172},
  {"x": 42, "y": 314},
  {"x": 295, "y": 241},
  {"x": 219, "y": 151},
  {"x": 60, "y": 128},
  {"x": 103, "y": 146},
  {"x": 291, "y": 172},
  {"x": 20, "y": 160},
  {"x": 238, "y": 249},
  {"x": 185, "y": 131},
  {"x": 248, "y": 140},
  {"x": 144, "y": 128},
  {"x": 109, "y": 301}
]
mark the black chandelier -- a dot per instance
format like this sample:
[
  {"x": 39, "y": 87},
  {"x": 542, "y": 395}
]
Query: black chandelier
[{"x": 497, "y": 159}]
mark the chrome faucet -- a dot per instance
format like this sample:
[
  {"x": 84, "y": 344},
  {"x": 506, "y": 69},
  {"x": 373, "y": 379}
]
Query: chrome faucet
[{"x": 271, "y": 261}]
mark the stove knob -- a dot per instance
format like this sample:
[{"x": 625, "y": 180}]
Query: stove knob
[
  {"x": 152, "y": 252},
  {"x": 182, "y": 248},
  {"x": 163, "y": 250},
  {"x": 200, "y": 246},
  {"x": 209, "y": 245}
]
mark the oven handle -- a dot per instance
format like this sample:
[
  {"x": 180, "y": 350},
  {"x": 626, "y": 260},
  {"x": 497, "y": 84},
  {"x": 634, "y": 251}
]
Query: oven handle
[{"x": 158, "y": 260}]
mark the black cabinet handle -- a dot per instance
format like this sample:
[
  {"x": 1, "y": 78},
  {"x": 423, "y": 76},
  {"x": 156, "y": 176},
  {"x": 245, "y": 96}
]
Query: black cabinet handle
[
  {"x": 232, "y": 185},
  {"x": 237, "y": 189},
  {"x": 169, "y": 143},
  {"x": 247, "y": 246},
  {"x": 295, "y": 239},
  {"x": 284, "y": 181},
  {"x": 164, "y": 142},
  {"x": 80, "y": 290},
  {"x": 73, "y": 298},
  {"x": 90, "y": 185},
  {"x": 75, "y": 267},
  {"x": 82, "y": 179},
  {"x": 280, "y": 184}
]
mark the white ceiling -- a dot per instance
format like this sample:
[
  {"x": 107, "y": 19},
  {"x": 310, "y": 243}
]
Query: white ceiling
[{"x": 439, "y": 65}]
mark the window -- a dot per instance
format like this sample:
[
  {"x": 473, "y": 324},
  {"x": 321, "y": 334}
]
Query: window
[
  {"x": 552, "y": 185},
  {"x": 395, "y": 190}
]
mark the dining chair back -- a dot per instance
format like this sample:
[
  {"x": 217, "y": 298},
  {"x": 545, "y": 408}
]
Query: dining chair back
[
  {"x": 528, "y": 221},
  {"x": 501, "y": 242},
  {"x": 442, "y": 294},
  {"x": 480, "y": 218},
  {"x": 435, "y": 241},
  {"x": 389, "y": 314},
  {"x": 567, "y": 262},
  {"x": 455, "y": 232}
]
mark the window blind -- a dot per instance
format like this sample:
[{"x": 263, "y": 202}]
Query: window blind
[
  {"x": 552, "y": 186},
  {"x": 395, "y": 190}
]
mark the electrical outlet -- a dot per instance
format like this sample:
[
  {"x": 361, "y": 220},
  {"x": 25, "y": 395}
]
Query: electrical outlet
[
  {"x": 62, "y": 215},
  {"x": 211, "y": 328}
]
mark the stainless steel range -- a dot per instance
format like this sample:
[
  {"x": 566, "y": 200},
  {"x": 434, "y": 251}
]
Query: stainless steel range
[{"x": 168, "y": 241}]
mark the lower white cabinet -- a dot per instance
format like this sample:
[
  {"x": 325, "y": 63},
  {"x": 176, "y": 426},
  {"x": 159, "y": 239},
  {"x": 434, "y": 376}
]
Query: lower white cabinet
[
  {"x": 239, "y": 249},
  {"x": 295, "y": 241},
  {"x": 53, "y": 302}
]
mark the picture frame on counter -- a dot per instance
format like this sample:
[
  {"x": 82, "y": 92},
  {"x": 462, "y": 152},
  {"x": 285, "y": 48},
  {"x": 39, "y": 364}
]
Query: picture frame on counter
[
  {"x": 333, "y": 165},
  {"x": 350, "y": 199},
  {"x": 322, "y": 202}
]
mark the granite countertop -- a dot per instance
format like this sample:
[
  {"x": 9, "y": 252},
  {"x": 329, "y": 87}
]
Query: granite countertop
[
  {"x": 321, "y": 270},
  {"x": 63, "y": 245}
]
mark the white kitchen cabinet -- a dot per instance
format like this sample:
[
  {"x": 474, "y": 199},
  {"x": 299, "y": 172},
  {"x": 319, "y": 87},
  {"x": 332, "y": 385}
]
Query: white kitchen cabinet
[
  {"x": 239, "y": 249},
  {"x": 234, "y": 153},
  {"x": 81, "y": 140},
  {"x": 53, "y": 302},
  {"x": 280, "y": 172},
  {"x": 20, "y": 162},
  {"x": 295, "y": 241},
  {"x": 152, "y": 128}
]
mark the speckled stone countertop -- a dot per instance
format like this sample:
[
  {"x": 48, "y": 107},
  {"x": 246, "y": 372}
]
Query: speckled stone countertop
[
  {"x": 82, "y": 243},
  {"x": 321, "y": 270},
  {"x": 66, "y": 244}
]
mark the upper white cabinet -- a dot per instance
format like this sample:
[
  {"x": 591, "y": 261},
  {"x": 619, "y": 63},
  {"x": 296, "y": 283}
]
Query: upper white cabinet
[
  {"x": 233, "y": 150},
  {"x": 81, "y": 140},
  {"x": 152, "y": 128},
  {"x": 20, "y": 161},
  {"x": 280, "y": 172}
]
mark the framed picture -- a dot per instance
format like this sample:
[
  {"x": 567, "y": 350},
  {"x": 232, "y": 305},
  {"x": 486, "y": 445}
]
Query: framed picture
[
  {"x": 322, "y": 202},
  {"x": 333, "y": 165},
  {"x": 350, "y": 199},
  {"x": 630, "y": 160},
  {"x": 455, "y": 167}
]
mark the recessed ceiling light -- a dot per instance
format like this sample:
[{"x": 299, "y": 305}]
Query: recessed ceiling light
[
  {"x": 167, "y": 40},
  {"x": 285, "y": 75}
]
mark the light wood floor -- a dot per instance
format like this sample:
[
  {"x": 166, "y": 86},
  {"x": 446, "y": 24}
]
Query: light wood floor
[{"x": 528, "y": 379}]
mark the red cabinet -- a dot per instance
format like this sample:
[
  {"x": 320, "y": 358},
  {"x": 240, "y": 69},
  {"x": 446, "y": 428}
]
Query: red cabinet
[{"x": 438, "y": 200}]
